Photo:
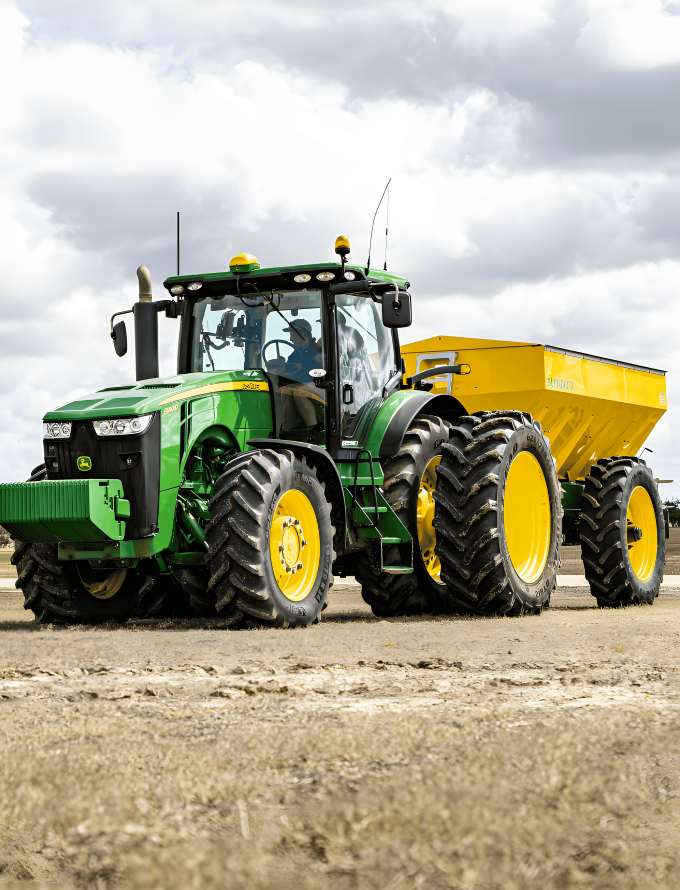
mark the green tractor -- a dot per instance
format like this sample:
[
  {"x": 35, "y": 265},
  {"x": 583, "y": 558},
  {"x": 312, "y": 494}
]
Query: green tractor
[{"x": 288, "y": 448}]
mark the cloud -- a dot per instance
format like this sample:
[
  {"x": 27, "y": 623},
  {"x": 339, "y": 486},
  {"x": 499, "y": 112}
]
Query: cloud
[{"x": 533, "y": 152}]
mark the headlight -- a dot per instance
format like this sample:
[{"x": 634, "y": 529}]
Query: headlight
[
  {"x": 56, "y": 430},
  {"x": 195, "y": 285},
  {"x": 176, "y": 290},
  {"x": 349, "y": 276},
  {"x": 122, "y": 426},
  {"x": 325, "y": 276},
  {"x": 303, "y": 278}
]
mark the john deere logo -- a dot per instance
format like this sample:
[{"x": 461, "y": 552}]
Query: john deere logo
[{"x": 84, "y": 464}]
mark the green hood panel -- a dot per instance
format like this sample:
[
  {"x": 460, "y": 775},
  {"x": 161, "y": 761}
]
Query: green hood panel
[{"x": 147, "y": 395}]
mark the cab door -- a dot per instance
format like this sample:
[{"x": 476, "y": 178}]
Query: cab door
[{"x": 366, "y": 362}]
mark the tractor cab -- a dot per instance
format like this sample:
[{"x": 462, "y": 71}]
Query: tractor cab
[{"x": 323, "y": 336}]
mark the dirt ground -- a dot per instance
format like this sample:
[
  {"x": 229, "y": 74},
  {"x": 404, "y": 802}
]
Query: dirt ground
[{"x": 533, "y": 752}]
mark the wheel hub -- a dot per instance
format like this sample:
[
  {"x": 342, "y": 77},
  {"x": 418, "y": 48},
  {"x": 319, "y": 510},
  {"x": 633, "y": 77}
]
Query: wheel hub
[{"x": 292, "y": 544}]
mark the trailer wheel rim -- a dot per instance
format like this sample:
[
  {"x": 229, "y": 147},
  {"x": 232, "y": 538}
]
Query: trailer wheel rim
[
  {"x": 526, "y": 517},
  {"x": 294, "y": 545},
  {"x": 427, "y": 537},
  {"x": 642, "y": 553}
]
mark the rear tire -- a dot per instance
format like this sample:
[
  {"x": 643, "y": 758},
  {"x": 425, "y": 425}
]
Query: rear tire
[
  {"x": 498, "y": 515},
  {"x": 409, "y": 483},
  {"x": 271, "y": 541},
  {"x": 620, "y": 494}
]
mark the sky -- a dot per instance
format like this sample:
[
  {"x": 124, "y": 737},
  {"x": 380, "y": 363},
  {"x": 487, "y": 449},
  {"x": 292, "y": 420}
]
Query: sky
[{"x": 534, "y": 151}]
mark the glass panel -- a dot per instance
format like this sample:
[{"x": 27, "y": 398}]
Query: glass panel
[
  {"x": 366, "y": 356},
  {"x": 282, "y": 335}
]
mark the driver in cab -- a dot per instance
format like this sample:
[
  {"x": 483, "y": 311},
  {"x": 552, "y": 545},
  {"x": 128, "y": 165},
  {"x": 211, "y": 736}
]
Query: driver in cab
[{"x": 306, "y": 352}]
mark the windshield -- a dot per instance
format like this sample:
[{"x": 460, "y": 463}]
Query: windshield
[{"x": 280, "y": 333}]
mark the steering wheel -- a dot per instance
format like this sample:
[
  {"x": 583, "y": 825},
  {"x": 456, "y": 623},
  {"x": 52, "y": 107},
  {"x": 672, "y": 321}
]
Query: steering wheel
[{"x": 278, "y": 351}]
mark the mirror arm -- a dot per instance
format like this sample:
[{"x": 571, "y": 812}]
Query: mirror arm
[{"x": 124, "y": 312}]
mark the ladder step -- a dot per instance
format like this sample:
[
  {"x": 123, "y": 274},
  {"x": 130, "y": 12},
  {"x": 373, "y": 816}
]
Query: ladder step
[
  {"x": 372, "y": 509},
  {"x": 397, "y": 570},
  {"x": 392, "y": 541}
]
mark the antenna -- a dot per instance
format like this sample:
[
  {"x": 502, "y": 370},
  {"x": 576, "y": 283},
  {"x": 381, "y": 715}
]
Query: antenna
[
  {"x": 368, "y": 263},
  {"x": 387, "y": 225},
  {"x": 178, "y": 243}
]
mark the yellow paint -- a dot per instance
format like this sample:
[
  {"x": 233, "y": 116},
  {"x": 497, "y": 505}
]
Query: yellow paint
[
  {"x": 526, "y": 517},
  {"x": 243, "y": 262},
  {"x": 642, "y": 553},
  {"x": 589, "y": 409},
  {"x": 302, "y": 392},
  {"x": 228, "y": 386},
  {"x": 424, "y": 518},
  {"x": 294, "y": 545}
]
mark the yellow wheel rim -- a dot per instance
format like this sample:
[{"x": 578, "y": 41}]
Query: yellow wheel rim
[
  {"x": 294, "y": 545},
  {"x": 107, "y": 587},
  {"x": 527, "y": 517},
  {"x": 424, "y": 520},
  {"x": 642, "y": 553}
]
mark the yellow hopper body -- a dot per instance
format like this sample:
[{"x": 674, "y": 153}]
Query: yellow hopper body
[{"x": 589, "y": 407}]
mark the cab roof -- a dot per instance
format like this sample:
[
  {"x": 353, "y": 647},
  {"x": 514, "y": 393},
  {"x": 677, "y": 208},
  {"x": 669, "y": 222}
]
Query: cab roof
[{"x": 218, "y": 284}]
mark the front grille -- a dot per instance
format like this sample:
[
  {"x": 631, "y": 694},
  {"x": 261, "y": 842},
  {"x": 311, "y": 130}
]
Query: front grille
[{"x": 134, "y": 460}]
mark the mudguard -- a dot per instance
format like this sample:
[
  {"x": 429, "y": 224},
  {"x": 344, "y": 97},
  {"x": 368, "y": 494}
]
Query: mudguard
[{"x": 395, "y": 416}]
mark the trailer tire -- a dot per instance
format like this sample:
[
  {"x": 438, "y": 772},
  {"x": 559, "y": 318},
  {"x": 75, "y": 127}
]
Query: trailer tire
[
  {"x": 268, "y": 507},
  {"x": 498, "y": 515},
  {"x": 408, "y": 487},
  {"x": 620, "y": 495}
]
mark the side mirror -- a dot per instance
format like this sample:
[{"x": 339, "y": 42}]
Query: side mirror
[
  {"x": 396, "y": 309},
  {"x": 119, "y": 337}
]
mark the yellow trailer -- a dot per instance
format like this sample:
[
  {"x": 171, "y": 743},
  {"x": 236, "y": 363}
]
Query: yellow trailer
[
  {"x": 589, "y": 407},
  {"x": 500, "y": 505}
]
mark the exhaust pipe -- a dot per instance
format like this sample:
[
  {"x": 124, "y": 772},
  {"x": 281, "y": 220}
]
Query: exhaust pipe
[{"x": 146, "y": 329}]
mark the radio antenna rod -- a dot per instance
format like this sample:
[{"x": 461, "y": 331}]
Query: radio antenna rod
[
  {"x": 368, "y": 264},
  {"x": 387, "y": 225},
  {"x": 178, "y": 243}
]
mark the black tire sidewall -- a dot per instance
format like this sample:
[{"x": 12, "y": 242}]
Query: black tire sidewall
[
  {"x": 642, "y": 477},
  {"x": 306, "y": 610},
  {"x": 528, "y": 439}
]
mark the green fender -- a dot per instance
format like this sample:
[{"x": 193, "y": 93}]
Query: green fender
[{"x": 395, "y": 415}]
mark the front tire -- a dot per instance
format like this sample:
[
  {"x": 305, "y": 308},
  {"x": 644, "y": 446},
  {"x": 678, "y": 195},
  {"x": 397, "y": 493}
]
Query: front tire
[
  {"x": 622, "y": 531},
  {"x": 498, "y": 515},
  {"x": 271, "y": 541}
]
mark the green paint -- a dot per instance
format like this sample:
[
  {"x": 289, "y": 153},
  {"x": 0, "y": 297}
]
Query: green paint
[
  {"x": 571, "y": 498},
  {"x": 67, "y": 510}
]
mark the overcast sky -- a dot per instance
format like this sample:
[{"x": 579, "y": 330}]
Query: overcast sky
[{"x": 534, "y": 150}]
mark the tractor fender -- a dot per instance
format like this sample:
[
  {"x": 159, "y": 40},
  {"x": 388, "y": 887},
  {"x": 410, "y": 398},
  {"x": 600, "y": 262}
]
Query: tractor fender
[
  {"x": 395, "y": 416},
  {"x": 325, "y": 467}
]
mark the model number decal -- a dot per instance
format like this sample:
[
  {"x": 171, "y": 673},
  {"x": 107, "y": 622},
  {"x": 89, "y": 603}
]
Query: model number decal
[{"x": 170, "y": 409}]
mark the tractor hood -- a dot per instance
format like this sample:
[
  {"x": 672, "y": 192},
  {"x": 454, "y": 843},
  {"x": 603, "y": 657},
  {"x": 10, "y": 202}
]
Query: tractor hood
[{"x": 152, "y": 395}]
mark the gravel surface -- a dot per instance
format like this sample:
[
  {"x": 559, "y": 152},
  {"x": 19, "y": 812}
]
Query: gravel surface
[{"x": 361, "y": 753}]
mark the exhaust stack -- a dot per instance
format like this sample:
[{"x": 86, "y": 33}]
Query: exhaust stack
[{"x": 146, "y": 329}]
